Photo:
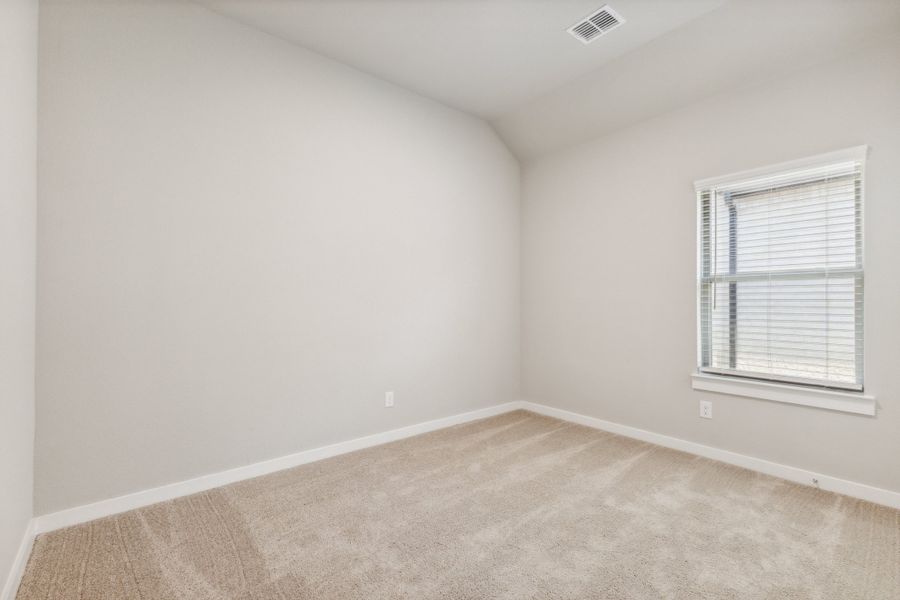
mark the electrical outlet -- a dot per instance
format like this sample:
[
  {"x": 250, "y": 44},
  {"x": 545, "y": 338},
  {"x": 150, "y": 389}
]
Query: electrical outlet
[
  {"x": 388, "y": 399},
  {"x": 706, "y": 409}
]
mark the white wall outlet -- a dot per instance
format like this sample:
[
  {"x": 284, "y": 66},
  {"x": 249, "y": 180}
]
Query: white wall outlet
[
  {"x": 388, "y": 399},
  {"x": 706, "y": 409}
]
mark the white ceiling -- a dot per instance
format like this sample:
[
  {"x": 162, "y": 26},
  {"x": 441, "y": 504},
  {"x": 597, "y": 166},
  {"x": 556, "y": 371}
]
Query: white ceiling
[
  {"x": 485, "y": 57},
  {"x": 512, "y": 62},
  {"x": 743, "y": 43}
]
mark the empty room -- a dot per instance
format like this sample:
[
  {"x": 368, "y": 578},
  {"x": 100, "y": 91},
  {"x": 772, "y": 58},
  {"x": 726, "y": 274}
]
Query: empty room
[{"x": 450, "y": 299}]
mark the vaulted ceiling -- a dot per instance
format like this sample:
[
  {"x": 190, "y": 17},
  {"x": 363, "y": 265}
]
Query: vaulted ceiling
[{"x": 512, "y": 62}]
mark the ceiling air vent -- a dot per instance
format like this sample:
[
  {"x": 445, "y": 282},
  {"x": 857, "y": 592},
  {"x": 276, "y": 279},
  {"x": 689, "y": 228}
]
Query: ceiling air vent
[{"x": 596, "y": 24}]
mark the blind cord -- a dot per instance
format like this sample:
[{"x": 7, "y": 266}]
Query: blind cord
[{"x": 714, "y": 198}]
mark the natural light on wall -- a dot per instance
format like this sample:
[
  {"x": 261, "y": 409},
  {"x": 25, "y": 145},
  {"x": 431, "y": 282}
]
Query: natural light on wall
[{"x": 780, "y": 273}]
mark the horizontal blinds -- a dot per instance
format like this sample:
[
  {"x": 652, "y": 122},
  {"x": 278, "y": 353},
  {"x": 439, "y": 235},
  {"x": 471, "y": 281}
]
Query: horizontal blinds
[{"x": 781, "y": 277}]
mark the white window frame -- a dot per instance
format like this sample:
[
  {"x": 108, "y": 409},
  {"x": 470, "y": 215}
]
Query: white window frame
[{"x": 791, "y": 393}]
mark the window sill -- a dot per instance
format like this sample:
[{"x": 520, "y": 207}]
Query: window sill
[{"x": 851, "y": 402}]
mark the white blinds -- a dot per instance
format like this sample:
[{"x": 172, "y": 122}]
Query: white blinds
[{"x": 781, "y": 276}]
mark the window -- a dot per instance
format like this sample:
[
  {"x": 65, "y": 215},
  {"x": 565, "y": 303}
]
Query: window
[{"x": 780, "y": 287}]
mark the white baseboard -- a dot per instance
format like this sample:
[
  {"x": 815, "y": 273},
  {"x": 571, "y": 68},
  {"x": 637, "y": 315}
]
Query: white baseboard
[
  {"x": 802, "y": 476},
  {"x": 14, "y": 578},
  {"x": 89, "y": 512},
  {"x": 105, "y": 508}
]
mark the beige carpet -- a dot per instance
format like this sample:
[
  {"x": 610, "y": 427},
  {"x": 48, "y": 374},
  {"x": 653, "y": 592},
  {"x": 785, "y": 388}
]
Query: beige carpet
[{"x": 517, "y": 507}]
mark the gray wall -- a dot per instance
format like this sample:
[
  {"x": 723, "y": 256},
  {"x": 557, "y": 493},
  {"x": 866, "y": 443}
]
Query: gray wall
[
  {"x": 18, "y": 122},
  {"x": 609, "y": 267},
  {"x": 244, "y": 245}
]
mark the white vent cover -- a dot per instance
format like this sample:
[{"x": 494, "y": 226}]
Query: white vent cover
[{"x": 596, "y": 24}]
